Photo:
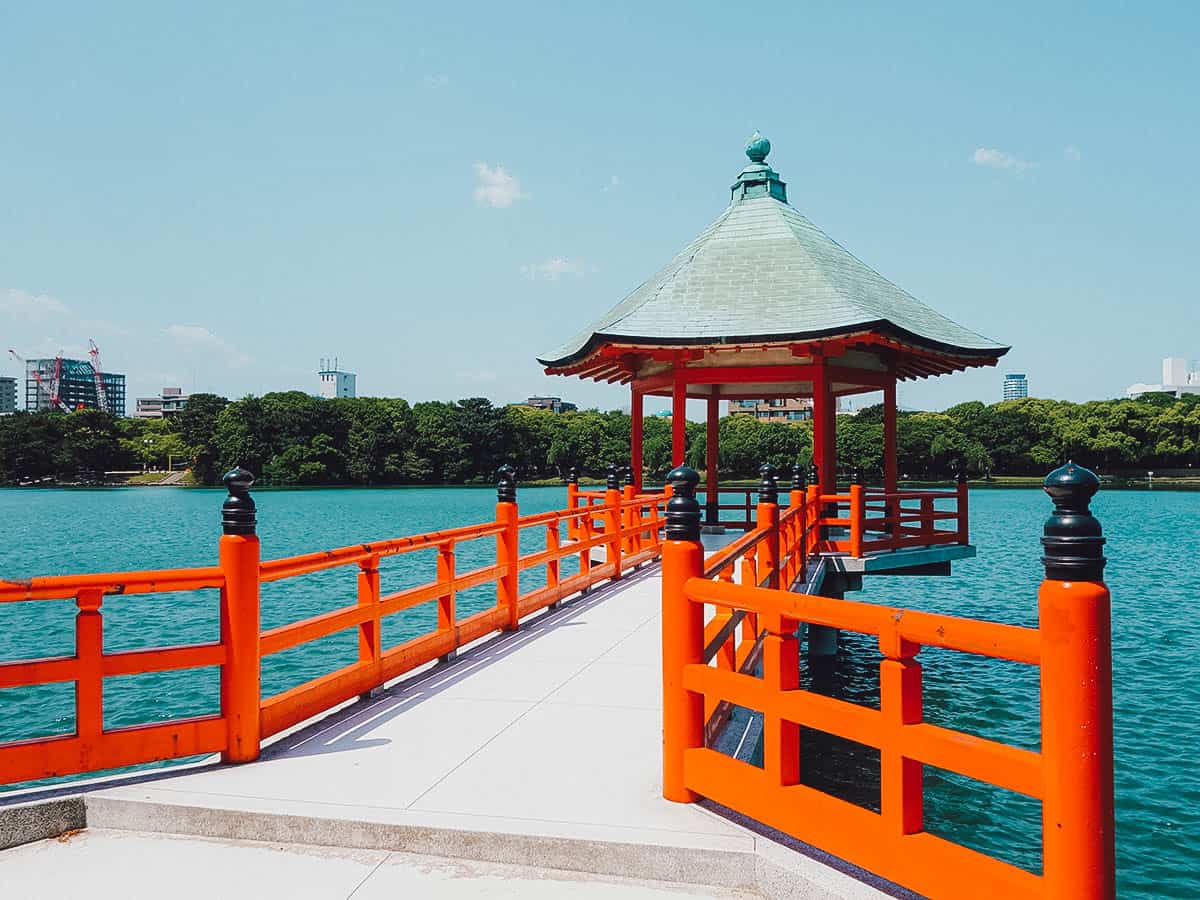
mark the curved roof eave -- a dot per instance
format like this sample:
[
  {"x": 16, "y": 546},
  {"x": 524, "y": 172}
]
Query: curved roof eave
[{"x": 879, "y": 326}]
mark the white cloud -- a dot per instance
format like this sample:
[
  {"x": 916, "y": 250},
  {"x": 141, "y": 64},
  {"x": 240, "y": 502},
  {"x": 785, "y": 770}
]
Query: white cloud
[
  {"x": 1071, "y": 153},
  {"x": 555, "y": 268},
  {"x": 197, "y": 337},
  {"x": 43, "y": 310},
  {"x": 496, "y": 187},
  {"x": 998, "y": 159},
  {"x": 613, "y": 183},
  {"x": 31, "y": 307}
]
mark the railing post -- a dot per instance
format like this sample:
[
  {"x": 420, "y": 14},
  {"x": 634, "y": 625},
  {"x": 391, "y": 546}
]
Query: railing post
[
  {"x": 767, "y": 516},
  {"x": 370, "y": 646},
  {"x": 89, "y": 651},
  {"x": 798, "y": 498},
  {"x": 857, "y": 513},
  {"x": 572, "y": 502},
  {"x": 964, "y": 536},
  {"x": 812, "y": 511},
  {"x": 508, "y": 551},
  {"x": 927, "y": 525},
  {"x": 682, "y": 632},
  {"x": 447, "y": 613},
  {"x": 552, "y": 565},
  {"x": 612, "y": 520},
  {"x": 1076, "y": 670},
  {"x": 901, "y": 780},
  {"x": 629, "y": 543},
  {"x": 238, "y": 553}
]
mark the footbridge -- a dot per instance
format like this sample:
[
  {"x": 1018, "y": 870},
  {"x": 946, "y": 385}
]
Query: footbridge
[{"x": 577, "y": 726}]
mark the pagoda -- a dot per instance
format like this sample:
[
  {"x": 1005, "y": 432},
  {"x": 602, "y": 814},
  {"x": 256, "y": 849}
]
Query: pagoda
[{"x": 764, "y": 305}]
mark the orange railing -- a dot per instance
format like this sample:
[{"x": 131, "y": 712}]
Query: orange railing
[
  {"x": 875, "y": 520},
  {"x": 1071, "y": 774},
  {"x": 625, "y": 528}
]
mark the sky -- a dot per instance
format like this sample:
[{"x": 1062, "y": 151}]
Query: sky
[{"x": 222, "y": 195}]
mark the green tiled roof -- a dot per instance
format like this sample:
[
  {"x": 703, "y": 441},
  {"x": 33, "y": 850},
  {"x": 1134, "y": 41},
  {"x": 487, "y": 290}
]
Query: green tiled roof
[{"x": 762, "y": 271}]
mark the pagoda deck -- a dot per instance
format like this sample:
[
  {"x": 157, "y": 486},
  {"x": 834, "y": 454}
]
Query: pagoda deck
[{"x": 537, "y": 747}]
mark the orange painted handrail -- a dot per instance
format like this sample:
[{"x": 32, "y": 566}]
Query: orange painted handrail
[
  {"x": 631, "y": 535},
  {"x": 1071, "y": 774}
]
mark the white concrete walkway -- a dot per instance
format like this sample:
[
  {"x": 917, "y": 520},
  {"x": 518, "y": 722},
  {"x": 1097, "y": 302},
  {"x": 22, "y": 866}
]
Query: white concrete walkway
[{"x": 539, "y": 748}]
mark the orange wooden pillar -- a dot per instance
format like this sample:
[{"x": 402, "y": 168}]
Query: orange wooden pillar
[
  {"x": 682, "y": 631},
  {"x": 508, "y": 551},
  {"x": 824, "y": 428},
  {"x": 1077, "y": 721},
  {"x": 678, "y": 419},
  {"x": 238, "y": 555},
  {"x": 635, "y": 439},
  {"x": 890, "y": 460},
  {"x": 712, "y": 439}
]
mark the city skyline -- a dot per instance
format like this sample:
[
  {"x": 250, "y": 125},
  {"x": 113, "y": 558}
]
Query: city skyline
[{"x": 245, "y": 213}]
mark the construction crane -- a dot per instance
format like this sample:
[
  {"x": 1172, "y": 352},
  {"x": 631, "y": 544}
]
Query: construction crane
[
  {"x": 50, "y": 389},
  {"x": 101, "y": 394}
]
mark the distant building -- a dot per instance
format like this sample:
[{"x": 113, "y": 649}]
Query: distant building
[
  {"x": 335, "y": 382},
  {"x": 1016, "y": 386},
  {"x": 8, "y": 395},
  {"x": 792, "y": 409},
  {"x": 165, "y": 405},
  {"x": 1178, "y": 378},
  {"x": 75, "y": 383},
  {"x": 554, "y": 404}
]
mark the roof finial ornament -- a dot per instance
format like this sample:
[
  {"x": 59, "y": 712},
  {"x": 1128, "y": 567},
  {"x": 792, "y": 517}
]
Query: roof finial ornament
[{"x": 758, "y": 148}]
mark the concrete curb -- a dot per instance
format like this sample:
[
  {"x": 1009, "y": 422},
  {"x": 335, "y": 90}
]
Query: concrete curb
[
  {"x": 28, "y": 822},
  {"x": 771, "y": 871}
]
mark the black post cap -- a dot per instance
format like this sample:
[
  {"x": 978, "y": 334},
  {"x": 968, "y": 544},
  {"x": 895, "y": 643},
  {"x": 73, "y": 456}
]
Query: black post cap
[
  {"x": 768, "y": 487},
  {"x": 683, "y": 512},
  {"x": 573, "y": 475},
  {"x": 798, "y": 481},
  {"x": 506, "y": 484},
  {"x": 961, "y": 475},
  {"x": 238, "y": 515},
  {"x": 814, "y": 474},
  {"x": 856, "y": 476},
  {"x": 1072, "y": 538},
  {"x": 613, "y": 482}
]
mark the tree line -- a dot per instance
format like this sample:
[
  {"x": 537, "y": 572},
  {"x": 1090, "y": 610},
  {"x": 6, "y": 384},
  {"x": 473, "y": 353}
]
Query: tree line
[{"x": 292, "y": 438}]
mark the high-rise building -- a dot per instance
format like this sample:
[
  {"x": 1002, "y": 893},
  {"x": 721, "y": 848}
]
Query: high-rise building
[
  {"x": 8, "y": 395},
  {"x": 1178, "y": 378},
  {"x": 73, "y": 383},
  {"x": 165, "y": 405},
  {"x": 1016, "y": 386},
  {"x": 335, "y": 382}
]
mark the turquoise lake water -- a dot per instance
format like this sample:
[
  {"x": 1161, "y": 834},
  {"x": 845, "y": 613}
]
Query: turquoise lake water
[{"x": 1154, "y": 572}]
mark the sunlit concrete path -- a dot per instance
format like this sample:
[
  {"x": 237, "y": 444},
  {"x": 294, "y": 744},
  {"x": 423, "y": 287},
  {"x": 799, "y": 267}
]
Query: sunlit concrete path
[{"x": 538, "y": 748}]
